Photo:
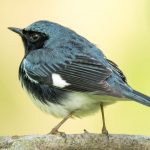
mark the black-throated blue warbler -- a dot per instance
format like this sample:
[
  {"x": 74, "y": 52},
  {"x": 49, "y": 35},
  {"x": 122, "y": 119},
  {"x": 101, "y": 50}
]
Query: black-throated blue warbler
[{"x": 69, "y": 76}]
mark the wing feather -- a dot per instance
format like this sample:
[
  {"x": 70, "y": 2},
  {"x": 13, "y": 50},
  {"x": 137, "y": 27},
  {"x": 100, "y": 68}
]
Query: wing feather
[{"x": 83, "y": 73}]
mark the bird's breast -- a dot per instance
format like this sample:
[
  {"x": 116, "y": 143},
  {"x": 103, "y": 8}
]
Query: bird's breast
[
  {"x": 79, "y": 103},
  {"x": 60, "y": 103}
]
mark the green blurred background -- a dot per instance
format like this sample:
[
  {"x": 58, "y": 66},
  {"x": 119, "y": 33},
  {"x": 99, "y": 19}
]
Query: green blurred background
[{"x": 121, "y": 28}]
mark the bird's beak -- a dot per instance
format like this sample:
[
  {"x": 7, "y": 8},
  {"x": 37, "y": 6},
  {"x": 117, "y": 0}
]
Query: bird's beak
[{"x": 16, "y": 30}]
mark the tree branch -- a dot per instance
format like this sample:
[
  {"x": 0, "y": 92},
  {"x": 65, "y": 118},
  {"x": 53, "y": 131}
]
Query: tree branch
[{"x": 85, "y": 141}]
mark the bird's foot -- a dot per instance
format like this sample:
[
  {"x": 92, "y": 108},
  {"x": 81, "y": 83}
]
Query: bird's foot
[
  {"x": 56, "y": 132},
  {"x": 105, "y": 132}
]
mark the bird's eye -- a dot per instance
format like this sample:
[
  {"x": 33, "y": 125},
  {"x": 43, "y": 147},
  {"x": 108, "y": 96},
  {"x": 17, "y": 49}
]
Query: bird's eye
[{"x": 34, "y": 37}]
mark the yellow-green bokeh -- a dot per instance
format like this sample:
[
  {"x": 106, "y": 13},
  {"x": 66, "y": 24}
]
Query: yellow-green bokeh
[{"x": 121, "y": 28}]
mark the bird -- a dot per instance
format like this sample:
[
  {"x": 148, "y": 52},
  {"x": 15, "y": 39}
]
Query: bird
[{"x": 68, "y": 76}]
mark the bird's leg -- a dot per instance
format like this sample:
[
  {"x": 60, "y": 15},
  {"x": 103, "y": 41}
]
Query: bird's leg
[
  {"x": 104, "y": 130},
  {"x": 55, "y": 129}
]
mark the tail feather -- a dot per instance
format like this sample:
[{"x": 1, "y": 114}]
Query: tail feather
[{"x": 139, "y": 97}]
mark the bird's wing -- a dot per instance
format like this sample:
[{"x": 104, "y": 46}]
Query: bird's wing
[
  {"x": 82, "y": 74},
  {"x": 117, "y": 71},
  {"x": 85, "y": 74}
]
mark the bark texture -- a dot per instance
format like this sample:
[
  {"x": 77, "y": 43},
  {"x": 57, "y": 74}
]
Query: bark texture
[{"x": 85, "y": 141}]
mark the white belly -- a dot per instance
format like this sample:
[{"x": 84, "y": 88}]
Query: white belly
[{"x": 81, "y": 104}]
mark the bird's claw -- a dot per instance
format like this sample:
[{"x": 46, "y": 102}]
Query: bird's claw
[
  {"x": 56, "y": 132},
  {"x": 105, "y": 132}
]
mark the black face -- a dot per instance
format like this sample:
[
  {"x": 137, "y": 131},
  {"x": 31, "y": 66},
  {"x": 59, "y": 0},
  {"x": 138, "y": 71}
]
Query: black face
[{"x": 33, "y": 40}]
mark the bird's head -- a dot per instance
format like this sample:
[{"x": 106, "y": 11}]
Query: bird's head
[{"x": 40, "y": 34}]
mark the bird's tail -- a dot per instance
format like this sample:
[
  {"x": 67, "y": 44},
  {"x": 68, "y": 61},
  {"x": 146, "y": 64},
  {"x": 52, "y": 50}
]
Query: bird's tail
[{"x": 139, "y": 97}]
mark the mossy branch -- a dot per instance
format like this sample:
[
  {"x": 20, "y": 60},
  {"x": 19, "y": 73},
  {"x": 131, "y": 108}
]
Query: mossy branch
[{"x": 85, "y": 141}]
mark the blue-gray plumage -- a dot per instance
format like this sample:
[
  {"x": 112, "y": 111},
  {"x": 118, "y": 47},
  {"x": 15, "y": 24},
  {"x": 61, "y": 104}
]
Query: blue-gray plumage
[{"x": 66, "y": 74}]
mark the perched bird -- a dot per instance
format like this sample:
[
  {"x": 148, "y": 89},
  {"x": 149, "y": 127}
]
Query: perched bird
[{"x": 67, "y": 75}]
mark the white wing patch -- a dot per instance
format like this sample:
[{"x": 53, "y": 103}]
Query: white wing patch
[{"x": 58, "y": 81}]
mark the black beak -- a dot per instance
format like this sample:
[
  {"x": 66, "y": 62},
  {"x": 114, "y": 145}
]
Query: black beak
[{"x": 16, "y": 30}]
